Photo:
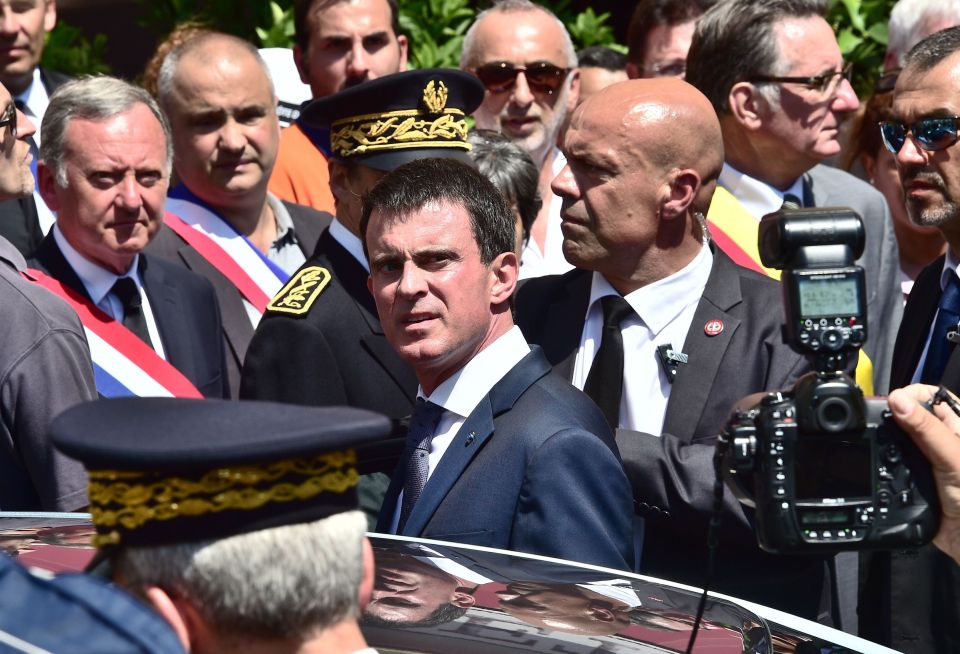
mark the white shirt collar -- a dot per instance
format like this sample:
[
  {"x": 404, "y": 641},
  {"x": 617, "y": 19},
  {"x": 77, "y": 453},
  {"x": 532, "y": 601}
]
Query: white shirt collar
[
  {"x": 464, "y": 390},
  {"x": 97, "y": 280},
  {"x": 949, "y": 267},
  {"x": 350, "y": 242},
  {"x": 759, "y": 198},
  {"x": 36, "y": 99},
  {"x": 659, "y": 303}
]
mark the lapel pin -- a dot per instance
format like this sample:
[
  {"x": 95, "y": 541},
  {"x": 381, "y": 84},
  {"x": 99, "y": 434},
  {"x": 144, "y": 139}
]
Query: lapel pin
[
  {"x": 713, "y": 327},
  {"x": 470, "y": 438}
]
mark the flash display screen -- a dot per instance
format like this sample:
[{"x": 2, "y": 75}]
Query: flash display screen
[{"x": 828, "y": 296}]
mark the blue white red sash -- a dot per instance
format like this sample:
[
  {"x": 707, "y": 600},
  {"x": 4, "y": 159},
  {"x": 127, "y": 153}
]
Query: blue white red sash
[
  {"x": 123, "y": 365},
  {"x": 257, "y": 278}
]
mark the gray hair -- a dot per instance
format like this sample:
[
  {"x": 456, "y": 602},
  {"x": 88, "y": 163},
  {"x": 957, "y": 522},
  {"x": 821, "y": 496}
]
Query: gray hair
[
  {"x": 932, "y": 50},
  {"x": 171, "y": 63},
  {"x": 92, "y": 98},
  {"x": 285, "y": 582},
  {"x": 734, "y": 41},
  {"x": 911, "y": 22},
  {"x": 467, "y": 54},
  {"x": 512, "y": 171}
]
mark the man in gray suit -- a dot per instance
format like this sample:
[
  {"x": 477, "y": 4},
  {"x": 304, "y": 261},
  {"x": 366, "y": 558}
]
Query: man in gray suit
[
  {"x": 699, "y": 332},
  {"x": 774, "y": 73}
]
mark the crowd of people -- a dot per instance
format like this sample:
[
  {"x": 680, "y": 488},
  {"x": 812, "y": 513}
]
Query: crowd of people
[{"x": 543, "y": 267}]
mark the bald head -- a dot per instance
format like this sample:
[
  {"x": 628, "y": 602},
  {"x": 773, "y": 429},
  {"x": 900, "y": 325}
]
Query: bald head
[{"x": 643, "y": 159}]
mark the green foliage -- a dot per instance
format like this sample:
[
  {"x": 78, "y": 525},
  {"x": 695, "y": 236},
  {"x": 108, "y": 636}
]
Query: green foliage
[
  {"x": 436, "y": 29},
  {"x": 232, "y": 16},
  {"x": 588, "y": 29},
  {"x": 861, "y": 28},
  {"x": 279, "y": 33},
  {"x": 67, "y": 50}
]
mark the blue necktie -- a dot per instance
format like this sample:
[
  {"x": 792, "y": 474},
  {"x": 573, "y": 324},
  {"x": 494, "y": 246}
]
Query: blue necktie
[
  {"x": 423, "y": 423},
  {"x": 947, "y": 319}
]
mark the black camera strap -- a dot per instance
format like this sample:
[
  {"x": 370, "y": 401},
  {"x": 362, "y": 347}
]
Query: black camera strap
[{"x": 951, "y": 374}]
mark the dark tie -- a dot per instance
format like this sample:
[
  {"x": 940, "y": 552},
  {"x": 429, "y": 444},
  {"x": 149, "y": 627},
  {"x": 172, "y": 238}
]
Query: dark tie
[
  {"x": 423, "y": 423},
  {"x": 34, "y": 150},
  {"x": 605, "y": 381},
  {"x": 947, "y": 318},
  {"x": 125, "y": 289},
  {"x": 791, "y": 201}
]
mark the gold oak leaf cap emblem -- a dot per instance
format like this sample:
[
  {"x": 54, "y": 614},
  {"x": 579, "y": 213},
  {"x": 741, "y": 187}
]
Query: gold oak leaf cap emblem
[{"x": 435, "y": 96}]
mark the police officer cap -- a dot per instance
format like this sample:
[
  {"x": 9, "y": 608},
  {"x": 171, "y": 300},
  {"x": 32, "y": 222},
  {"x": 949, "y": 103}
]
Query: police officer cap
[
  {"x": 391, "y": 120},
  {"x": 166, "y": 470}
]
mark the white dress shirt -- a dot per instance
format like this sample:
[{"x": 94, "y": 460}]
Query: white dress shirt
[
  {"x": 98, "y": 281},
  {"x": 758, "y": 198},
  {"x": 460, "y": 394},
  {"x": 949, "y": 268},
  {"x": 533, "y": 262},
  {"x": 350, "y": 242},
  {"x": 663, "y": 313}
]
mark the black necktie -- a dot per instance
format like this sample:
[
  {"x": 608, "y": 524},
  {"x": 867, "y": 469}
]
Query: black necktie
[
  {"x": 125, "y": 289},
  {"x": 791, "y": 201},
  {"x": 947, "y": 318},
  {"x": 605, "y": 381},
  {"x": 423, "y": 423},
  {"x": 34, "y": 150}
]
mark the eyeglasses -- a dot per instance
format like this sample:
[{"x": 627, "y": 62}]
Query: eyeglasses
[
  {"x": 825, "y": 83},
  {"x": 930, "y": 134},
  {"x": 10, "y": 120},
  {"x": 887, "y": 82},
  {"x": 542, "y": 77}
]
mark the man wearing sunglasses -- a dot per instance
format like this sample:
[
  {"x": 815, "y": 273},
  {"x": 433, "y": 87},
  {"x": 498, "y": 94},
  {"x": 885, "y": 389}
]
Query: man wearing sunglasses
[
  {"x": 775, "y": 76},
  {"x": 524, "y": 56},
  {"x": 909, "y": 601}
]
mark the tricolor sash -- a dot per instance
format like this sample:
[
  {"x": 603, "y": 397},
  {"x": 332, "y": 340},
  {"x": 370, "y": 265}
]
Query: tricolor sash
[
  {"x": 257, "y": 278},
  {"x": 123, "y": 365},
  {"x": 736, "y": 231}
]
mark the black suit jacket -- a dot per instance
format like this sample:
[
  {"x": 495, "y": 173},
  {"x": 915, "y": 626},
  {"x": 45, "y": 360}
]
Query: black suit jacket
[
  {"x": 336, "y": 353},
  {"x": 909, "y": 598},
  {"x": 184, "y": 306},
  {"x": 533, "y": 469},
  {"x": 237, "y": 330},
  {"x": 746, "y": 357},
  {"x": 18, "y": 217}
]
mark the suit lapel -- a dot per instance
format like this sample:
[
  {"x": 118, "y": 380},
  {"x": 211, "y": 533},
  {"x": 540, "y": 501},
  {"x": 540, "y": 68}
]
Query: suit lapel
[
  {"x": 475, "y": 431},
  {"x": 308, "y": 228},
  {"x": 694, "y": 381},
  {"x": 51, "y": 260},
  {"x": 167, "y": 308},
  {"x": 563, "y": 323},
  {"x": 915, "y": 328}
]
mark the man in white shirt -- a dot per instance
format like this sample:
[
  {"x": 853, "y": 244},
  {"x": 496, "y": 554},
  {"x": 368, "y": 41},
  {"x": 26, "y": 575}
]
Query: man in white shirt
[
  {"x": 524, "y": 56},
  {"x": 499, "y": 452}
]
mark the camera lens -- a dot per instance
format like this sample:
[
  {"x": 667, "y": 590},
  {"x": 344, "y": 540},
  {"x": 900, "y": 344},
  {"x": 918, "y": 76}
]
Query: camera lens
[{"x": 833, "y": 414}]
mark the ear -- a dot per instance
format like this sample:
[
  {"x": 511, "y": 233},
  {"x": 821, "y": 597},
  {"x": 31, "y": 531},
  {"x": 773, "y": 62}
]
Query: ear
[
  {"x": 505, "y": 270},
  {"x": 339, "y": 180},
  {"x": 574, "y": 96},
  {"x": 681, "y": 191},
  {"x": 463, "y": 598},
  {"x": 633, "y": 70},
  {"x": 404, "y": 46},
  {"x": 50, "y": 16},
  {"x": 601, "y": 612},
  {"x": 366, "y": 581},
  {"x": 746, "y": 105},
  {"x": 47, "y": 185},
  {"x": 173, "y": 612},
  {"x": 302, "y": 64}
]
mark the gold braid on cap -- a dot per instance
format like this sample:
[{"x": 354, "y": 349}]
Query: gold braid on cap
[
  {"x": 437, "y": 127},
  {"x": 122, "y": 501}
]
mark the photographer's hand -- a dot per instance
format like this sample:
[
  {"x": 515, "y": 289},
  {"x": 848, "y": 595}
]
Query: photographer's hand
[{"x": 937, "y": 435}]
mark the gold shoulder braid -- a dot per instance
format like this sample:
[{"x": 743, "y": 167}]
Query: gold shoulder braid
[
  {"x": 299, "y": 294},
  {"x": 436, "y": 127},
  {"x": 124, "y": 501}
]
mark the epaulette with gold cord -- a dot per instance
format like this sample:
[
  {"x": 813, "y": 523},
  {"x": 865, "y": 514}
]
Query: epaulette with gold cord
[{"x": 299, "y": 294}]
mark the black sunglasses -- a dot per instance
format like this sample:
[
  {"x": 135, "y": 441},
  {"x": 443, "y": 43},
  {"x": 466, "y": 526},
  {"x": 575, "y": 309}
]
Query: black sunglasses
[
  {"x": 542, "y": 76},
  {"x": 10, "y": 120},
  {"x": 930, "y": 134},
  {"x": 821, "y": 83}
]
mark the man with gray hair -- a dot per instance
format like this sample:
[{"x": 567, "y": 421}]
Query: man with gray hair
[
  {"x": 913, "y": 20},
  {"x": 154, "y": 328},
  {"x": 774, "y": 73},
  {"x": 524, "y": 56},
  {"x": 244, "y": 534},
  {"x": 222, "y": 222}
]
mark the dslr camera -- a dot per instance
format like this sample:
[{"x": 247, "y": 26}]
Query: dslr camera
[{"x": 824, "y": 467}]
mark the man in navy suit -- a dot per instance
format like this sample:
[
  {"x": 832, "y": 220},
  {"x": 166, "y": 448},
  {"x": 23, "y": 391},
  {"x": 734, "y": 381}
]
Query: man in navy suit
[
  {"x": 500, "y": 453},
  {"x": 105, "y": 169}
]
